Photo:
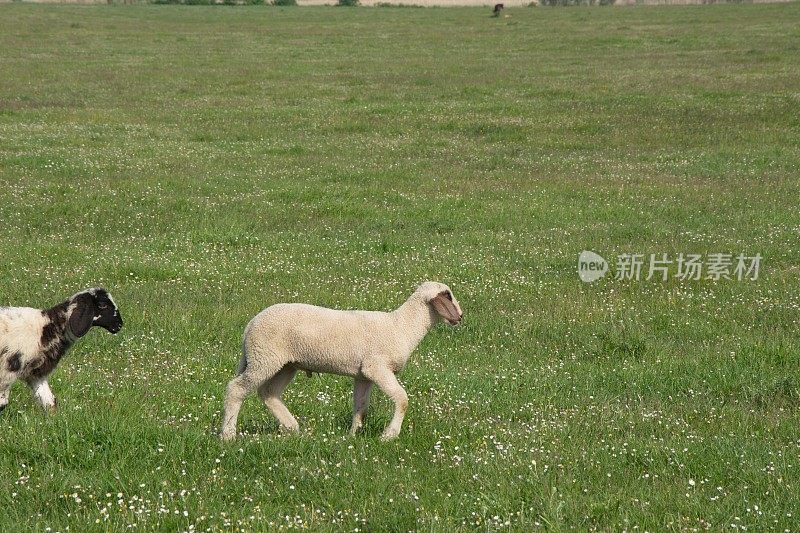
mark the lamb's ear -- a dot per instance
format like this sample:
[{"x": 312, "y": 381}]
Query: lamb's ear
[
  {"x": 83, "y": 315},
  {"x": 444, "y": 306}
]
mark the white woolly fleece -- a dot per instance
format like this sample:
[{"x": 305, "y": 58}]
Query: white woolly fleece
[{"x": 370, "y": 346}]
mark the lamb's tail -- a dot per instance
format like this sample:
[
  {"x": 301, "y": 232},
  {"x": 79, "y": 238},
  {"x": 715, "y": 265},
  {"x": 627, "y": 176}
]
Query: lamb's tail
[
  {"x": 243, "y": 361},
  {"x": 247, "y": 346},
  {"x": 242, "y": 364}
]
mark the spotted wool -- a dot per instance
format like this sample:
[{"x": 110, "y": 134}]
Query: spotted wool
[{"x": 33, "y": 341}]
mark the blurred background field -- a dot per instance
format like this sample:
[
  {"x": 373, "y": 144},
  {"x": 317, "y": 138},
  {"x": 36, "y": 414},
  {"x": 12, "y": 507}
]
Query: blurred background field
[{"x": 408, "y": 3}]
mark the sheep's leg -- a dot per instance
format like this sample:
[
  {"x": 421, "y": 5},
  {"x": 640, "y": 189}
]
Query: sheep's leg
[
  {"x": 361, "y": 390},
  {"x": 386, "y": 380},
  {"x": 238, "y": 388},
  {"x": 270, "y": 393},
  {"x": 5, "y": 391},
  {"x": 43, "y": 394},
  {"x": 6, "y": 380}
]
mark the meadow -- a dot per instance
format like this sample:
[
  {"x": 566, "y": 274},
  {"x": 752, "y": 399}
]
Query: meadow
[{"x": 205, "y": 162}]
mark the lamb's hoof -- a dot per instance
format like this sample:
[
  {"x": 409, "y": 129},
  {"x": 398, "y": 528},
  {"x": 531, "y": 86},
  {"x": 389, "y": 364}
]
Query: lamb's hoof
[
  {"x": 389, "y": 434},
  {"x": 50, "y": 410},
  {"x": 227, "y": 436},
  {"x": 291, "y": 428}
]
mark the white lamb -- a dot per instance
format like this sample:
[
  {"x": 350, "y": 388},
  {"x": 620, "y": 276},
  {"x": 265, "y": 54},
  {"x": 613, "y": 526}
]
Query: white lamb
[{"x": 370, "y": 346}]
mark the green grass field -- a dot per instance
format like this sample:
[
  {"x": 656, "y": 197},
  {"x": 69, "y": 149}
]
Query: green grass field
[{"x": 203, "y": 163}]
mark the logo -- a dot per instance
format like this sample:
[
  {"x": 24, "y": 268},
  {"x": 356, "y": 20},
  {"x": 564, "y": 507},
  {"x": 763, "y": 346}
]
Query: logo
[
  {"x": 662, "y": 267},
  {"x": 591, "y": 266}
]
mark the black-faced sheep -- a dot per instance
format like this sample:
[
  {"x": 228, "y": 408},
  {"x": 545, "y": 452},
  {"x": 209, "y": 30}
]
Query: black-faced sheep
[{"x": 33, "y": 341}]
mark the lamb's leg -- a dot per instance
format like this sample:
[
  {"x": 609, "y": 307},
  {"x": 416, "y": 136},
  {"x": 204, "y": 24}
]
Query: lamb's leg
[
  {"x": 6, "y": 380},
  {"x": 386, "y": 380},
  {"x": 270, "y": 393},
  {"x": 361, "y": 390},
  {"x": 5, "y": 391},
  {"x": 43, "y": 394},
  {"x": 238, "y": 388}
]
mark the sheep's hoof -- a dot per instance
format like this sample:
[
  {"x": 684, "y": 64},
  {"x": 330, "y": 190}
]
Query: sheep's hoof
[
  {"x": 293, "y": 428},
  {"x": 227, "y": 436},
  {"x": 389, "y": 434},
  {"x": 50, "y": 409}
]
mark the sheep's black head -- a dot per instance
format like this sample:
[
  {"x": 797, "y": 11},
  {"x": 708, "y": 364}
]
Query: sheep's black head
[
  {"x": 441, "y": 299},
  {"x": 93, "y": 307}
]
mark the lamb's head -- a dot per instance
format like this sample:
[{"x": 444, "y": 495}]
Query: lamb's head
[
  {"x": 93, "y": 307},
  {"x": 440, "y": 298}
]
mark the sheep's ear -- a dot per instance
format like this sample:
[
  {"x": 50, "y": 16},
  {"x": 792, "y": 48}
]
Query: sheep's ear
[
  {"x": 444, "y": 306},
  {"x": 83, "y": 315}
]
